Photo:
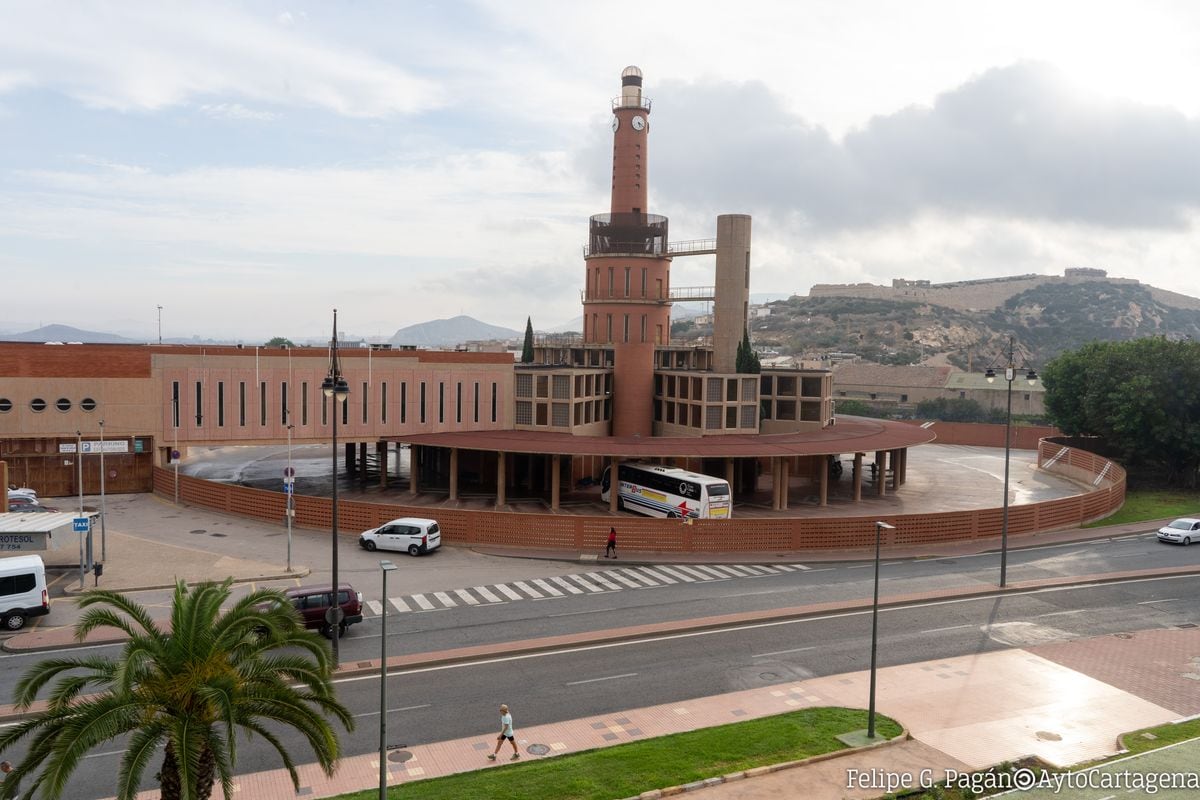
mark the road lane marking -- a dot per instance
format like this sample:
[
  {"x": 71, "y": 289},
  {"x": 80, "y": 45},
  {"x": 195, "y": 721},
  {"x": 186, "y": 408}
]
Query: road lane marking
[
  {"x": 600, "y": 579},
  {"x": 694, "y": 571},
  {"x": 487, "y": 594},
  {"x": 467, "y": 597},
  {"x": 716, "y": 573},
  {"x": 507, "y": 592},
  {"x": 616, "y": 576},
  {"x": 784, "y": 652},
  {"x": 1060, "y": 613},
  {"x": 375, "y": 606},
  {"x": 634, "y": 574},
  {"x": 597, "y": 680},
  {"x": 577, "y": 613},
  {"x": 683, "y": 576},
  {"x": 570, "y": 587},
  {"x": 390, "y": 710},
  {"x": 527, "y": 589},
  {"x": 550, "y": 590},
  {"x": 950, "y": 628},
  {"x": 1169, "y": 600},
  {"x": 399, "y": 604},
  {"x": 658, "y": 576},
  {"x": 585, "y": 583},
  {"x": 445, "y": 598},
  {"x": 423, "y": 602}
]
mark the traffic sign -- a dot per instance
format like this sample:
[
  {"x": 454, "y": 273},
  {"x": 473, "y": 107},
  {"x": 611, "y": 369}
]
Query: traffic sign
[
  {"x": 80, "y": 524},
  {"x": 287, "y": 487},
  {"x": 289, "y": 472},
  {"x": 174, "y": 455}
]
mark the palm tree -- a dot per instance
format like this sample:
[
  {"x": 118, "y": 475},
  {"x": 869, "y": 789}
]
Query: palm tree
[{"x": 186, "y": 691}]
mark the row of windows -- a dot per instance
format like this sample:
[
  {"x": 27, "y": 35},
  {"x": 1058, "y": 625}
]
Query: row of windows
[
  {"x": 286, "y": 411},
  {"x": 38, "y": 404},
  {"x": 612, "y": 278},
  {"x": 625, "y": 331}
]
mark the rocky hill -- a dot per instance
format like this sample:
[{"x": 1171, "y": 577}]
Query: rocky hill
[
  {"x": 450, "y": 332},
  {"x": 1046, "y": 319}
]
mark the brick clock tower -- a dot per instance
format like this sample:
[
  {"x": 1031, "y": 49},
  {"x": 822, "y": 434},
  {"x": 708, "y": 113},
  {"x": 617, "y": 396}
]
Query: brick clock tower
[{"x": 627, "y": 283}]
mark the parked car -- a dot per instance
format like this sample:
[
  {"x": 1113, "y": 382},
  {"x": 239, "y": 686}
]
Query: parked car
[
  {"x": 19, "y": 502},
  {"x": 1181, "y": 531},
  {"x": 410, "y": 534},
  {"x": 29, "y": 507},
  {"x": 15, "y": 492},
  {"x": 312, "y": 602},
  {"x": 23, "y": 591}
]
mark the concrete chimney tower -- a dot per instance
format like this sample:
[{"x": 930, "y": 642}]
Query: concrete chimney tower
[{"x": 731, "y": 307}]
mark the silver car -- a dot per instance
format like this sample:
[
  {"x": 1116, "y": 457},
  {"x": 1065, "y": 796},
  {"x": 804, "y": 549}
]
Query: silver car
[{"x": 1181, "y": 531}]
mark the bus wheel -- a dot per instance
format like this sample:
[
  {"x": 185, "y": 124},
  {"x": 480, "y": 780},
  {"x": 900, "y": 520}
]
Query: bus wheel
[{"x": 672, "y": 515}]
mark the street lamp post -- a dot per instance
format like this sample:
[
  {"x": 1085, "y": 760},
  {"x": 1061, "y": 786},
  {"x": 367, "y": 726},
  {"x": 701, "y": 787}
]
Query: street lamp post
[
  {"x": 879, "y": 528},
  {"x": 160, "y": 324},
  {"x": 79, "y": 466},
  {"x": 335, "y": 388},
  {"x": 290, "y": 487},
  {"x": 175, "y": 447},
  {"x": 103, "y": 532},
  {"x": 1010, "y": 373},
  {"x": 386, "y": 567}
]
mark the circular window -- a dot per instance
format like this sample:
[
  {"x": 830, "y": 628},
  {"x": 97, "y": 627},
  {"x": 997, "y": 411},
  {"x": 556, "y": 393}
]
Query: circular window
[
  {"x": 63, "y": 404},
  {"x": 37, "y": 404},
  {"x": 87, "y": 404},
  {"x": 5, "y": 405}
]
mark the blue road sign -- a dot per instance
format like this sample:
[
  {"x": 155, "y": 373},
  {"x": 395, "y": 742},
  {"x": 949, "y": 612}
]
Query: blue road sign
[
  {"x": 287, "y": 488},
  {"x": 80, "y": 524}
]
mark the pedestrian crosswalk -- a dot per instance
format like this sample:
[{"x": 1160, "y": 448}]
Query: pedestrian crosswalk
[{"x": 578, "y": 584}]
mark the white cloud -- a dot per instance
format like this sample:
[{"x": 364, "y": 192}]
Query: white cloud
[
  {"x": 147, "y": 56},
  {"x": 237, "y": 111}
]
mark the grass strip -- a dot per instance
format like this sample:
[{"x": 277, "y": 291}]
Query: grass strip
[
  {"x": 629, "y": 769},
  {"x": 1142, "y": 505}
]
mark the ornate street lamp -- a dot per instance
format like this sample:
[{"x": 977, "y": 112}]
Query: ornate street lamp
[
  {"x": 1010, "y": 373},
  {"x": 337, "y": 390}
]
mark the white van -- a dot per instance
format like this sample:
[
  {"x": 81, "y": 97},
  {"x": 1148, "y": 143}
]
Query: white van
[
  {"x": 411, "y": 534},
  {"x": 23, "y": 592}
]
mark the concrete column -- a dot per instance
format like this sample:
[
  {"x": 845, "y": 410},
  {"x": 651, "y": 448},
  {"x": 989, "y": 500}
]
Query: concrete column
[
  {"x": 555, "y": 480},
  {"x": 880, "y": 472},
  {"x": 858, "y": 465},
  {"x": 414, "y": 469},
  {"x": 894, "y": 462},
  {"x": 351, "y": 466},
  {"x": 381, "y": 452},
  {"x": 362, "y": 461},
  {"x": 501, "y": 479},
  {"x": 775, "y": 483},
  {"x": 613, "y": 487},
  {"x": 729, "y": 473},
  {"x": 824, "y": 482},
  {"x": 453, "y": 474},
  {"x": 903, "y": 465},
  {"x": 732, "y": 285},
  {"x": 784, "y": 477}
]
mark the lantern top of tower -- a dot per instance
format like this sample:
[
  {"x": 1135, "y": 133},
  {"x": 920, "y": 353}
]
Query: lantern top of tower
[{"x": 631, "y": 72}]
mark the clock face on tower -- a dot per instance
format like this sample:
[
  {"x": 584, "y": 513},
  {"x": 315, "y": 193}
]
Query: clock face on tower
[
  {"x": 616, "y": 124},
  {"x": 639, "y": 122}
]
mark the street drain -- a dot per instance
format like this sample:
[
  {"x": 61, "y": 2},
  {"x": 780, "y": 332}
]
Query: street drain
[
  {"x": 768, "y": 676},
  {"x": 198, "y": 530},
  {"x": 538, "y": 749},
  {"x": 218, "y": 535},
  {"x": 1047, "y": 736},
  {"x": 1186, "y": 625},
  {"x": 399, "y": 756}
]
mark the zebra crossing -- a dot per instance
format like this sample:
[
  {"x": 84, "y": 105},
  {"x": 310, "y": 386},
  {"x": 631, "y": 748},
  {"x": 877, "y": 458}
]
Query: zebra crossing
[{"x": 599, "y": 582}]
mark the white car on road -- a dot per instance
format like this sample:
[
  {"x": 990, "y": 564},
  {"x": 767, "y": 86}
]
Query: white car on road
[
  {"x": 1181, "y": 531},
  {"x": 409, "y": 534}
]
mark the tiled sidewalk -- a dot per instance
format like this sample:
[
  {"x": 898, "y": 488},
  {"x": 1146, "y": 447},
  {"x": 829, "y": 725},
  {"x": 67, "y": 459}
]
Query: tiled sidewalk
[{"x": 969, "y": 711}]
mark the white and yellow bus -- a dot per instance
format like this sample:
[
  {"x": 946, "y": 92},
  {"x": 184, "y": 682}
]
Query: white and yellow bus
[{"x": 669, "y": 492}]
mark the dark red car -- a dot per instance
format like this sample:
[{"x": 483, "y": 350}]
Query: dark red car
[{"x": 313, "y": 602}]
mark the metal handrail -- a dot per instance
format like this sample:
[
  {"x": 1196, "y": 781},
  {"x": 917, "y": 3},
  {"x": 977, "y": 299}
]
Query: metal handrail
[
  {"x": 619, "y": 102},
  {"x": 693, "y": 292},
  {"x": 689, "y": 246}
]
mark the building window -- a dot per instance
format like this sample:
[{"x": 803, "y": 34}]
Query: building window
[
  {"x": 643, "y": 328},
  {"x": 477, "y": 401},
  {"x": 365, "y": 390},
  {"x": 610, "y": 281},
  {"x": 174, "y": 404},
  {"x": 285, "y": 414},
  {"x": 422, "y": 402},
  {"x": 304, "y": 403},
  {"x": 262, "y": 403},
  {"x": 609, "y": 337},
  {"x": 383, "y": 402},
  {"x": 627, "y": 271},
  {"x": 220, "y": 404},
  {"x": 644, "y": 278},
  {"x": 962, "y": 395},
  {"x": 441, "y": 402},
  {"x": 241, "y": 404},
  {"x": 493, "y": 401},
  {"x": 903, "y": 398},
  {"x": 38, "y": 405},
  {"x": 458, "y": 402},
  {"x": 345, "y": 411},
  {"x": 403, "y": 402},
  {"x": 199, "y": 403},
  {"x": 324, "y": 410},
  {"x": 524, "y": 412},
  {"x": 6, "y": 405},
  {"x": 87, "y": 404},
  {"x": 625, "y": 331},
  {"x": 63, "y": 404}
]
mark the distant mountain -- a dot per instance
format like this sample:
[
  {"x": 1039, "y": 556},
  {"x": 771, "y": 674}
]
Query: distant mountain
[
  {"x": 449, "y": 332},
  {"x": 65, "y": 333}
]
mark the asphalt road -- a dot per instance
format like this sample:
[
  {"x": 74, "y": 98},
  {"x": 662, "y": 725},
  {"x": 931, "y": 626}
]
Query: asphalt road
[{"x": 453, "y": 701}]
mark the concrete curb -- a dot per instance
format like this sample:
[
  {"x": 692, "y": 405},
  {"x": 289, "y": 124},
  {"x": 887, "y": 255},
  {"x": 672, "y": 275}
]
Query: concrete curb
[
  {"x": 754, "y": 772},
  {"x": 299, "y": 572}
]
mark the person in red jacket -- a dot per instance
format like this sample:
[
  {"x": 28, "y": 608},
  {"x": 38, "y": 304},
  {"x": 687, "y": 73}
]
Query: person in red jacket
[{"x": 612, "y": 544}]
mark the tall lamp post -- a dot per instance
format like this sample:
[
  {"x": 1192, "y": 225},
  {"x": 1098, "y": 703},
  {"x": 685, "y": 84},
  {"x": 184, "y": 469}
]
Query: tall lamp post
[
  {"x": 386, "y": 567},
  {"x": 336, "y": 390},
  {"x": 290, "y": 487},
  {"x": 103, "y": 532},
  {"x": 1010, "y": 374},
  {"x": 880, "y": 527}
]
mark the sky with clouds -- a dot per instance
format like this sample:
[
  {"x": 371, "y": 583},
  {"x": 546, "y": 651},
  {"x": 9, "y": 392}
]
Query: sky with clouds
[{"x": 250, "y": 166}]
